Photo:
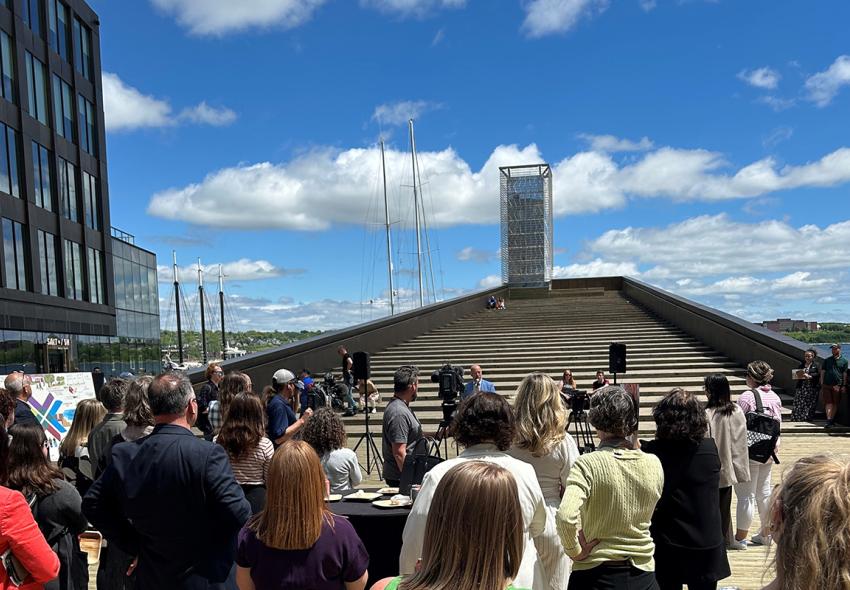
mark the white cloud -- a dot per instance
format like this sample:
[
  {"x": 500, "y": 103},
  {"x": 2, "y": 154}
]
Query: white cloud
[
  {"x": 438, "y": 37},
  {"x": 778, "y": 104},
  {"x": 237, "y": 270},
  {"x": 547, "y": 17},
  {"x": 823, "y": 86},
  {"x": 777, "y": 136},
  {"x": 217, "y": 17},
  {"x": 648, "y": 5},
  {"x": 712, "y": 245},
  {"x": 412, "y": 7},
  {"x": 204, "y": 114},
  {"x": 330, "y": 186},
  {"x": 765, "y": 78},
  {"x": 611, "y": 144},
  {"x": 398, "y": 113},
  {"x": 490, "y": 282},
  {"x": 470, "y": 254},
  {"x": 126, "y": 108},
  {"x": 596, "y": 268}
]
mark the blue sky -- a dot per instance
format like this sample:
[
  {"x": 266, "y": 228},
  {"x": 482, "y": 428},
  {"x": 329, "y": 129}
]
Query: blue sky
[{"x": 701, "y": 146}]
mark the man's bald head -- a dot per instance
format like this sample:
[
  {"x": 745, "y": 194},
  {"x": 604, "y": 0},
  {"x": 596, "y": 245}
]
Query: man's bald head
[
  {"x": 475, "y": 371},
  {"x": 19, "y": 384}
]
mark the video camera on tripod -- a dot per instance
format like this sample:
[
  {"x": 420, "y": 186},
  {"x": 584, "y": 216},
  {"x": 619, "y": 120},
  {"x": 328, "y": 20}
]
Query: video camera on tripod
[
  {"x": 449, "y": 380},
  {"x": 578, "y": 401},
  {"x": 328, "y": 393}
]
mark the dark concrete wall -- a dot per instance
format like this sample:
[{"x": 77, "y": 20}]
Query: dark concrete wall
[
  {"x": 607, "y": 283},
  {"x": 739, "y": 340},
  {"x": 319, "y": 353}
]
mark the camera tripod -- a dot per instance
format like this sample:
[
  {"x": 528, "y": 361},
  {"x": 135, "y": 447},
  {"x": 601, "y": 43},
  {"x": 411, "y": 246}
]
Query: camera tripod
[
  {"x": 581, "y": 430},
  {"x": 373, "y": 457},
  {"x": 441, "y": 438}
]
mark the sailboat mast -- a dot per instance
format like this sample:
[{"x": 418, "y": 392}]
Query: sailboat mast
[
  {"x": 416, "y": 209},
  {"x": 221, "y": 308},
  {"x": 387, "y": 226},
  {"x": 177, "y": 308},
  {"x": 203, "y": 319}
]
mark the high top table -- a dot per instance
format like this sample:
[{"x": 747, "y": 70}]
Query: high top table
[{"x": 380, "y": 529}]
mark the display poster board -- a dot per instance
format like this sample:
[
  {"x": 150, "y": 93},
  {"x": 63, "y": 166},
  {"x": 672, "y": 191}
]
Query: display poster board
[{"x": 54, "y": 402}]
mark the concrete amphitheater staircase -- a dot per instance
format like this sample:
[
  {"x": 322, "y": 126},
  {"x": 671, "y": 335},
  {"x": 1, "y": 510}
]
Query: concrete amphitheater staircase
[{"x": 566, "y": 330}]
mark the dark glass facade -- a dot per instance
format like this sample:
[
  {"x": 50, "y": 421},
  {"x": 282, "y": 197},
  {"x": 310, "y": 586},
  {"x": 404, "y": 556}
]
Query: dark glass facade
[{"x": 72, "y": 296}]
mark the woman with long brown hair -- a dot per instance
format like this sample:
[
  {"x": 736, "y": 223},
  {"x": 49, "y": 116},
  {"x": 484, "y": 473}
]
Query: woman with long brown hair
[
  {"x": 243, "y": 436},
  {"x": 295, "y": 542},
  {"x": 542, "y": 440},
  {"x": 234, "y": 382},
  {"x": 73, "y": 450},
  {"x": 56, "y": 503},
  {"x": 463, "y": 509}
]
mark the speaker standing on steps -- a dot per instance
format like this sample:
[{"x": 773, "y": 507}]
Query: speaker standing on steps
[
  {"x": 617, "y": 358},
  {"x": 360, "y": 368}
]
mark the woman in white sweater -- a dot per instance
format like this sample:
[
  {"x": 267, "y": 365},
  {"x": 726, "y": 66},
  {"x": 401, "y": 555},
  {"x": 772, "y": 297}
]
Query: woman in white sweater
[
  {"x": 541, "y": 440},
  {"x": 326, "y": 434},
  {"x": 728, "y": 427}
]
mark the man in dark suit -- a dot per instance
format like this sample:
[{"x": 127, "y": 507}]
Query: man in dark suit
[
  {"x": 21, "y": 387},
  {"x": 170, "y": 498}
]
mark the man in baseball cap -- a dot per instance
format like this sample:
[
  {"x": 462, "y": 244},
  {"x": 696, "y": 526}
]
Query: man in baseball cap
[{"x": 281, "y": 408}]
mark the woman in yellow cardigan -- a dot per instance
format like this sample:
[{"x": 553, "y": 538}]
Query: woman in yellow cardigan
[{"x": 608, "y": 502}]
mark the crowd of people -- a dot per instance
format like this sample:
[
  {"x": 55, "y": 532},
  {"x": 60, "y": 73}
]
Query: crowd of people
[{"x": 243, "y": 505}]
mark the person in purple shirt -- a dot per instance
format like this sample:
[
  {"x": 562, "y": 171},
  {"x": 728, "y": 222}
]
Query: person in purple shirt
[{"x": 295, "y": 542}]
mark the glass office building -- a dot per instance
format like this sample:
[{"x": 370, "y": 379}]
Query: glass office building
[{"x": 63, "y": 304}]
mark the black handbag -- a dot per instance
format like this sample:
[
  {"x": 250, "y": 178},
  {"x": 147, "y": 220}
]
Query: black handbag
[
  {"x": 417, "y": 463},
  {"x": 762, "y": 433}
]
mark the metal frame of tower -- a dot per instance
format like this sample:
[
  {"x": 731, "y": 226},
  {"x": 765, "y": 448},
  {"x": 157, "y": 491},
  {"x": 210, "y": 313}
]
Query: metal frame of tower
[{"x": 525, "y": 196}]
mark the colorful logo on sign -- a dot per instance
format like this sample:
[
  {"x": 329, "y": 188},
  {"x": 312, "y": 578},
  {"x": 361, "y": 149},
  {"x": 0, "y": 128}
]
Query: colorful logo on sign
[{"x": 48, "y": 414}]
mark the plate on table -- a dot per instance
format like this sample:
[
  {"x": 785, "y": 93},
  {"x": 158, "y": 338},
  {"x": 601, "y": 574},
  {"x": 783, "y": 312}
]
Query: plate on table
[
  {"x": 334, "y": 498},
  {"x": 388, "y": 491},
  {"x": 389, "y": 504},
  {"x": 361, "y": 496}
]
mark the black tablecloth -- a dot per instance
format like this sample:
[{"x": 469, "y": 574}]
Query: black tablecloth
[{"x": 380, "y": 530}]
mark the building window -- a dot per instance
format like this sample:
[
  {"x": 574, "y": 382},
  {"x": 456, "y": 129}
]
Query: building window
[
  {"x": 87, "y": 127},
  {"x": 14, "y": 254},
  {"x": 36, "y": 89},
  {"x": 63, "y": 108},
  {"x": 67, "y": 182},
  {"x": 91, "y": 203},
  {"x": 32, "y": 15},
  {"x": 82, "y": 49},
  {"x": 7, "y": 67},
  {"x": 41, "y": 176},
  {"x": 47, "y": 260},
  {"x": 57, "y": 21},
  {"x": 96, "y": 276},
  {"x": 73, "y": 270},
  {"x": 9, "y": 161}
]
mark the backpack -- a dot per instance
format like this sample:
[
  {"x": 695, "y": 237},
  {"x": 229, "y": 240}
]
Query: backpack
[
  {"x": 417, "y": 463},
  {"x": 762, "y": 433}
]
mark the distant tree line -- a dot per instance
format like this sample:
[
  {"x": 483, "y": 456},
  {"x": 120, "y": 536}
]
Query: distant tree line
[
  {"x": 829, "y": 332},
  {"x": 249, "y": 341}
]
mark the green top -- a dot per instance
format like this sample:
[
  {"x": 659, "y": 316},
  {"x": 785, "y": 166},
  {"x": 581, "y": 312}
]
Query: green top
[
  {"x": 833, "y": 370},
  {"x": 611, "y": 495},
  {"x": 393, "y": 585}
]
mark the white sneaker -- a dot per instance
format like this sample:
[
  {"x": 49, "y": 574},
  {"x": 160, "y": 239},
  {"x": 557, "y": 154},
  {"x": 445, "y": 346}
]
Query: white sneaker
[
  {"x": 737, "y": 545},
  {"x": 374, "y": 410},
  {"x": 759, "y": 539}
]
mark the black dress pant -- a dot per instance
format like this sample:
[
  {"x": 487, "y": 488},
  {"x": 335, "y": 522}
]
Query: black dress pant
[
  {"x": 612, "y": 576},
  {"x": 726, "y": 513}
]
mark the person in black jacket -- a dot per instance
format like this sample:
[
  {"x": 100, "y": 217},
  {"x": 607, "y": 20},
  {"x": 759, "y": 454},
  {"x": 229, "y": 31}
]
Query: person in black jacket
[
  {"x": 170, "y": 498},
  {"x": 689, "y": 546},
  {"x": 55, "y": 504}
]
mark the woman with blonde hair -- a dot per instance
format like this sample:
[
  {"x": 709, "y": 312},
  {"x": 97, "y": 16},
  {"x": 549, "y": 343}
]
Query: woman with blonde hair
[
  {"x": 462, "y": 509},
  {"x": 568, "y": 381},
  {"x": 73, "y": 450},
  {"x": 809, "y": 513},
  {"x": 295, "y": 542},
  {"x": 755, "y": 493},
  {"x": 541, "y": 439}
]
